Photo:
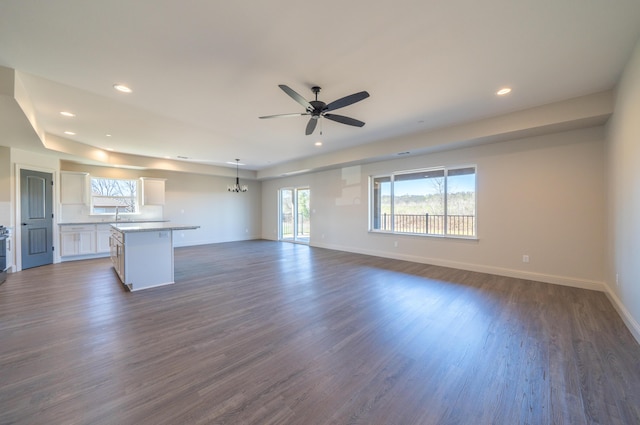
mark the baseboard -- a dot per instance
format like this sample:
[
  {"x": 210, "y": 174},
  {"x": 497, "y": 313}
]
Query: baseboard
[
  {"x": 627, "y": 318},
  {"x": 518, "y": 274}
]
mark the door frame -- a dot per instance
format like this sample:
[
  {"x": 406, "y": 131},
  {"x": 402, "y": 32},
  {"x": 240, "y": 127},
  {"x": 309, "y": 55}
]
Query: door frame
[
  {"x": 55, "y": 195},
  {"x": 295, "y": 190}
]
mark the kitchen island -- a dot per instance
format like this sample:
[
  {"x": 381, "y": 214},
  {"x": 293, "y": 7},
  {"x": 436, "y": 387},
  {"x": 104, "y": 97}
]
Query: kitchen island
[{"x": 142, "y": 253}]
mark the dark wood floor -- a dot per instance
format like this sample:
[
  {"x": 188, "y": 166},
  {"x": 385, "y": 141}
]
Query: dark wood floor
[{"x": 272, "y": 333}]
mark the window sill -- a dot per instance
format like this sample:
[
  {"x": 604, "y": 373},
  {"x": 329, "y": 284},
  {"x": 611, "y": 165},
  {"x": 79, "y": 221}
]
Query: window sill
[{"x": 422, "y": 235}]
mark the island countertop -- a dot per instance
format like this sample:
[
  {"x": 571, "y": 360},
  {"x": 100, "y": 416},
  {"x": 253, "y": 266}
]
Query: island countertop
[{"x": 149, "y": 227}]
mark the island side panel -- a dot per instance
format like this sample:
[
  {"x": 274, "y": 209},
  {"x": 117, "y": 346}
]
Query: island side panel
[{"x": 148, "y": 258}]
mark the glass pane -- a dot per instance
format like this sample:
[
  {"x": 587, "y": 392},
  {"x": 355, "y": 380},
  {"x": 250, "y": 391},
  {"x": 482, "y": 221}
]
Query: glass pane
[
  {"x": 109, "y": 194},
  {"x": 461, "y": 202},
  {"x": 381, "y": 208},
  {"x": 303, "y": 228},
  {"x": 286, "y": 214},
  {"x": 418, "y": 202}
]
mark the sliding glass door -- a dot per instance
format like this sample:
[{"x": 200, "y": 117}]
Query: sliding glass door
[{"x": 295, "y": 224}]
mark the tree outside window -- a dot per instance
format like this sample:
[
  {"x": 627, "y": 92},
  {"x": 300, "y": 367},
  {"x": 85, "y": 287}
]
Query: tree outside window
[{"x": 109, "y": 194}]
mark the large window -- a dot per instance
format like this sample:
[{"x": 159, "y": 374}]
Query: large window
[
  {"x": 107, "y": 195},
  {"x": 435, "y": 201}
]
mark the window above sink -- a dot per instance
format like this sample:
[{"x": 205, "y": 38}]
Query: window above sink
[{"x": 114, "y": 196}]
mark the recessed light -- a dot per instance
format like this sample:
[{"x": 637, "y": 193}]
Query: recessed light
[
  {"x": 70, "y": 133},
  {"x": 318, "y": 143},
  {"x": 122, "y": 88},
  {"x": 67, "y": 114},
  {"x": 503, "y": 91},
  {"x": 107, "y": 135}
]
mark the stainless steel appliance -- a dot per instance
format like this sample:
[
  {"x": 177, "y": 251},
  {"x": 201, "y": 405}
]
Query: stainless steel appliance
[{"x": 4, "y": 233}]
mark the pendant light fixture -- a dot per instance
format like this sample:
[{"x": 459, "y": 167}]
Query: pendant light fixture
[{"x": 236, "y": 187}]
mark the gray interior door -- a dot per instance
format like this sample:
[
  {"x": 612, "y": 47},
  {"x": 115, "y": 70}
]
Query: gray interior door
[{"x": 36, "y": 199}]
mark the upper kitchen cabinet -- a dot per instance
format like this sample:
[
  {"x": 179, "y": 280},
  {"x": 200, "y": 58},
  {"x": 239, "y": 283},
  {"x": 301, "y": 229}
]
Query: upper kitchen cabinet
[
  {"x": 152, "y": 191},
  {"x": 74, "y": 187}
]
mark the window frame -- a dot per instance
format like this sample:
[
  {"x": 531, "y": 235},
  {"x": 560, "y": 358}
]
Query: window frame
[
  {"x": 136, "y": 197},
  {"x": 391, "y": 176}
]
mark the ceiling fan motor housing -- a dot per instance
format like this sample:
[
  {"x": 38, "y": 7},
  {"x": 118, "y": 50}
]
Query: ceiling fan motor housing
[{"x": 317, "y": 109}]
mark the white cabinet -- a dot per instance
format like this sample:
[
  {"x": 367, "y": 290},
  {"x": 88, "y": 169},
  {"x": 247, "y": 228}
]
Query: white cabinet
[
  {"x": 103, "y": 232},
  {"x": 152, "y": 191},
  {"x": 74, "y": 187},
  {"x": 116, "y": 243},
  {"x": 77, "y": 240}
]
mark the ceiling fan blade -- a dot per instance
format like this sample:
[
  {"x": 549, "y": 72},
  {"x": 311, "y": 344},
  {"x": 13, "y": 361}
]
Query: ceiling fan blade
[
  {"x": 346, "y": 101},
  {"x": 295, "y": 96},
  {"x": 297, "y": 114},
  {"x": 344, "y": 120},
  {"x": 311, "y": 125}
]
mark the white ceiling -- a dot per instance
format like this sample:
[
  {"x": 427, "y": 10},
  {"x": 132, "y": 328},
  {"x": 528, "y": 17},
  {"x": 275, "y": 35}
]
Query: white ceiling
[{"x": 202, "y": 72}]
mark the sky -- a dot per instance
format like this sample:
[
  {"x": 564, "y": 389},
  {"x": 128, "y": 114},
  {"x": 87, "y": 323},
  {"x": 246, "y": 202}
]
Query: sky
[{"x": 464, "y": 183}]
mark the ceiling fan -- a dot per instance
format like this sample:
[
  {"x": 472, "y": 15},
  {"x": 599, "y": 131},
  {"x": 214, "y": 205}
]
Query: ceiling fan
[{"x": 317, "y": 109}]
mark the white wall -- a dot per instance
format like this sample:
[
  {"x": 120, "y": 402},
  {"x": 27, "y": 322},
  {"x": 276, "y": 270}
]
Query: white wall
[
  {"x": 623, "y": 176},
  {"x": 204, "y": 200},
  {"x": 541, "y": 196},
  {"x": 34, "y": 159},
  {"x": 6, "y": 182}
]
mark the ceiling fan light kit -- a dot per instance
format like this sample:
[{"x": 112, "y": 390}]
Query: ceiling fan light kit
[{"x": 317, "y": 109}]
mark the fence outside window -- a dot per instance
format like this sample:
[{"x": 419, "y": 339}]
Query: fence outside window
[{"x": 430, "y": 224}]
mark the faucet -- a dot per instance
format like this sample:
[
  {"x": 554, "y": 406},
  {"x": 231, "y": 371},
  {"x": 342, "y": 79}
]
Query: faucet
[{"x": 117, "y": 212}]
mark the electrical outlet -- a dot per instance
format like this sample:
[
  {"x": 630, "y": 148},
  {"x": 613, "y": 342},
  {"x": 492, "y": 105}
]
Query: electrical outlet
[
  {"x": 525, "y": 258},
  {"x": 617, "y": 280},
  {"x": 395, "y": 244}
]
